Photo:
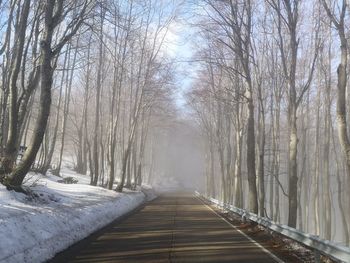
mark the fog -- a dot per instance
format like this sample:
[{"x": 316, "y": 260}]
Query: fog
[
  {"x": 178, "y": 157},
  {"x": 140, "y": 96}
]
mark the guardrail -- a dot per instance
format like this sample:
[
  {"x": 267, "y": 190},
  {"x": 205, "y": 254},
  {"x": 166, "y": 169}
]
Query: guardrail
[{"x": 320, "y": 247}]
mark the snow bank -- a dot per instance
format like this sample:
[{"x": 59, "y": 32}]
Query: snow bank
[
  {"x": 34, "y": 229},
  {"x": 149, "y": 192}
]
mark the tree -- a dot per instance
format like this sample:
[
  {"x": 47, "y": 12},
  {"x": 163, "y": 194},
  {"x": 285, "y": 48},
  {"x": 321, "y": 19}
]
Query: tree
[
  {"x": 288, "y": 17},
  {"x": 234, "y": 19},
  {"x": 342, "y": 73},
  {"x": 54, "y": 12}
]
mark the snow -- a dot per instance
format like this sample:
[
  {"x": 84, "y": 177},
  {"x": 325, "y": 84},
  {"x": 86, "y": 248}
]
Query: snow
[
  {"x": 149, "y": 192},
  {"x": 34, "y": 228}
]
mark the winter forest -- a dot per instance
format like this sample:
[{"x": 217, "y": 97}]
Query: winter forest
[{"x": 244, "y": 100}]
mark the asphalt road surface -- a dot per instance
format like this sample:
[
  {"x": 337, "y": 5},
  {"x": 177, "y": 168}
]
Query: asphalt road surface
[{"x": 172, "y": 228}]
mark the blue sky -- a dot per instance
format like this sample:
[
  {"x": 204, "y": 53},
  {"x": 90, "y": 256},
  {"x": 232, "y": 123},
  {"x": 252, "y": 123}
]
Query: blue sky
[{"x": 180, "y": 47}]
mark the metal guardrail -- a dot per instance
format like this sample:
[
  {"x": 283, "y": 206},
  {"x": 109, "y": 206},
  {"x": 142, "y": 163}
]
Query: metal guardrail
[{"x": 330, "y": 249}]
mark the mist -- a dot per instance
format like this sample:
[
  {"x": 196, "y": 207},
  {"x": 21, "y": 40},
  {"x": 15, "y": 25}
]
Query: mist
[
  {"x": 179, "y": 157},
  {"x": 246, "y": 102}
]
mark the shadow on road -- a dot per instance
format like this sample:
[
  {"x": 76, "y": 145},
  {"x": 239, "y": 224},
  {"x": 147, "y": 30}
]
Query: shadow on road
[{"x": 173, "y": 228}]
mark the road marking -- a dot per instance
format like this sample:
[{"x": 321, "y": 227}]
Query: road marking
[{"x": 277, "y": 259}]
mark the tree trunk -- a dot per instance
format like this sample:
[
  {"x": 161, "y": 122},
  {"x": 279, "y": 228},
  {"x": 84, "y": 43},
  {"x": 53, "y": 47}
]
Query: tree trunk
[
  {"x": 253, "y": 194},
  {"x": 66, "y": 106},
  {"x": 46, "y": 72},
  {"x": 11, "y": 150},
  {"x": 293, "y": 170},
  {"x": 261, "y": 163},
  {"x": 212, "y": 167},
  {"x": 238, "y": 168},
  {"x": 315, "y": 197},
  {"x": 82, "y": 151},
  {"x": 52, "y": 145},
  {"x": 95, "y": 151},
  {"x": 91, "y": 164},
  {"x": 326, "y": 157},
  {"x": 341, "y": 99}
]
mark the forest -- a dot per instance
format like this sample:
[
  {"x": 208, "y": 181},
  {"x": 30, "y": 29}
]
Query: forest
[
  {"x": 266, "y": 100},
  {"x": 86, "y": 77},
  {"x": 272, "y": 101}
]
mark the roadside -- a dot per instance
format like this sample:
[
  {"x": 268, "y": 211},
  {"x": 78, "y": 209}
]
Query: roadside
[
  {"x": 286, "y": 249},
  {"x": 56, "y": 215}
]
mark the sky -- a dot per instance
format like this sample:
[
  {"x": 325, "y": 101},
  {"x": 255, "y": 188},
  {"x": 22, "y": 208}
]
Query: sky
[{"x": 179, "y": 47}]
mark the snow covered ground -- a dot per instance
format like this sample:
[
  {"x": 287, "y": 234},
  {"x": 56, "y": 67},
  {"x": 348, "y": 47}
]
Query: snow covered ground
[{"x": 34, "y": 228}]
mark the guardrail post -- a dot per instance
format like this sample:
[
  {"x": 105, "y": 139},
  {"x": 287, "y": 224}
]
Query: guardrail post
[
  {"x": 244, "y": 219},
  {"x": 317, "y": 256}
]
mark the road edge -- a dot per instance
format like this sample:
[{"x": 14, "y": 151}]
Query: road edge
[{"x": 272, "y": 255}]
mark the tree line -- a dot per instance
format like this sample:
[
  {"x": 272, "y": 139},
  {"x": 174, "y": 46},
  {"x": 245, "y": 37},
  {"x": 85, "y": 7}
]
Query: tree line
[
  {"x": 271, "y": 99},
  {"x": 83, "y": 80}
]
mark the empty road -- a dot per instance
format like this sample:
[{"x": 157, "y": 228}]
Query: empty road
[{"x": 172, "y": 228}]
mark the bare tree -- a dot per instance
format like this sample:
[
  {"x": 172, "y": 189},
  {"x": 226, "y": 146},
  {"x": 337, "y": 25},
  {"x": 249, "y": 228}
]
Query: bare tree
[
  {"x": 339, "y": 24},
  {"x": 54, "y": 12},
  {"x": 288, "y": 17}
]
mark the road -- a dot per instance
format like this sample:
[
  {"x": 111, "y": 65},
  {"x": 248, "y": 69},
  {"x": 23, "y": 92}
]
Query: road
[{"x": 172, "y": 228}]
